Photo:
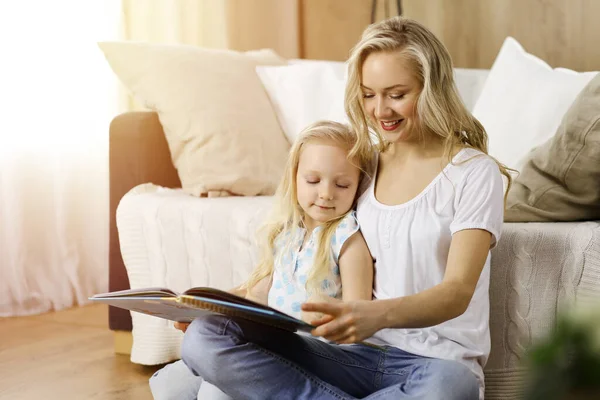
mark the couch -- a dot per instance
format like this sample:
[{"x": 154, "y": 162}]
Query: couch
[{"x": 162, "y": 236}]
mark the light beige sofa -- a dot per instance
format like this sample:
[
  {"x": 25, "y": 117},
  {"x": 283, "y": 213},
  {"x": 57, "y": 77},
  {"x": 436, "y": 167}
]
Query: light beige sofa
[{"x": 168, "y": 238}]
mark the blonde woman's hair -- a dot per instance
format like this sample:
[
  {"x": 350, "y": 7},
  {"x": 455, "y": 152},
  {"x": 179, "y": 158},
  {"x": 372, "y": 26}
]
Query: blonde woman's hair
[
  {"x": 287, "y": 215},
  {"x": 439, "y": 106}
]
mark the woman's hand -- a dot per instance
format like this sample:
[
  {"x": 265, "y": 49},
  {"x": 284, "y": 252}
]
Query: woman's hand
[
  {"x": 182, "y": 326},
  {"x": 347, "y": 322},
  {"x": 311, "y": 317}
]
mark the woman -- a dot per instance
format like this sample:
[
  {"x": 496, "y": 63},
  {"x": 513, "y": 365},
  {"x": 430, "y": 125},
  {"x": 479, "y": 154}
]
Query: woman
[{"x": 432, "y": 212}]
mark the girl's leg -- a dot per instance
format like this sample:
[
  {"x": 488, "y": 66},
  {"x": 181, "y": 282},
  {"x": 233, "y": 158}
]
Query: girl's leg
[
  {"x": 408, "y": 376},
  {"x": 252, "y": 361},
  {"x": 175, "y": 381}
]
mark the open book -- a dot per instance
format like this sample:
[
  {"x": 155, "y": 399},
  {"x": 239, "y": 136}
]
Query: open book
[{"x": 198, "y": 301}]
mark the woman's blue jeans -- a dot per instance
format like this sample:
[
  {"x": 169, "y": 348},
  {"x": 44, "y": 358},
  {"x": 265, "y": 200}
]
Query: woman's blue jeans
[{"x": 250, "y": 361}]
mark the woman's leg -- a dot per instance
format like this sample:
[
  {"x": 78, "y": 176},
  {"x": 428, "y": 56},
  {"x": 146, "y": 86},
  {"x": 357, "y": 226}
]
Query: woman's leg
[
  {"x": 253, "y": 361},
  {"x": 408, "y": 376},
  {"x": 175, "y": 381}
]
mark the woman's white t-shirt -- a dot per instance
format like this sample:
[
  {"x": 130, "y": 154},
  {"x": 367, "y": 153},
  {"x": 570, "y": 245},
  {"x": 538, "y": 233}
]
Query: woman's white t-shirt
[{"x": 410, "y": 243}]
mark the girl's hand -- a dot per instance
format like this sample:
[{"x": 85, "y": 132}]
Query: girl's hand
[
  {"x": 182, "y": 326},
  {"x": 346, "y": 322}
]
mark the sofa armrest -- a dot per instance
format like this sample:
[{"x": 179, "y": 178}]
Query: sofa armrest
[
  {"x": 138, "y": 153},
  {"x": 536, "y": 270}
]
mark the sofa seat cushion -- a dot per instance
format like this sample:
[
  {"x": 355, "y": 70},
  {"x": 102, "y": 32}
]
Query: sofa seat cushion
[{"x": 171, "y": 239}]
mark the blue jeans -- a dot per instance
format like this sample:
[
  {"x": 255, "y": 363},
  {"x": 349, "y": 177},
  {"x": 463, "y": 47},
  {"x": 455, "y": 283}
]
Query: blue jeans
[
  {"x": 250, "y": 361},
  {"x": 175, "y": 381}
]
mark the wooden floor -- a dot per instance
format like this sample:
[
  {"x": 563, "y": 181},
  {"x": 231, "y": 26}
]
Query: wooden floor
[{"x": 67, "y": 355}]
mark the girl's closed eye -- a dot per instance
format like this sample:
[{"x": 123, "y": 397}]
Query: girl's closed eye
[
  {"x": 396, "y": 96},
  {"x": 368, "y": 95}
]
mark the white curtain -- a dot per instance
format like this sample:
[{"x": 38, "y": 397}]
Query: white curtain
[
  {"x": 191, "y": 22},
  {"x": 57, "y": 97}
]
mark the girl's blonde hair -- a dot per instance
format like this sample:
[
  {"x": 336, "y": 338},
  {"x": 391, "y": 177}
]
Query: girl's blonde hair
[
  {"x": 439, "y": 106},
  {"x": 287, "y": 215}
]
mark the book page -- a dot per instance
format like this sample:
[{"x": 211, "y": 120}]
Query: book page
[
  {"x": 262, "y": 314},
  {"x": 216, "y": 294},
  {"x": 166, "y": 308},
  {"x": 144, "y": 292}
]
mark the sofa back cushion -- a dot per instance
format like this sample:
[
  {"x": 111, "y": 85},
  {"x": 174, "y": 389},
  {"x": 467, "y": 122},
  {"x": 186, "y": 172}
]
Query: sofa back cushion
[
  {"x": 305, "y": 92},
  {"x": 470, "y": 82},
  {"x": 561, "y": 180},
  {"x": 221, "y": 129},
  {"x": 523, "y": 101}
]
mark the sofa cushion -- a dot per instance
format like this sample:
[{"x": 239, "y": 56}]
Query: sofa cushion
[
  {"x": 523, "y": 101},
  {"x": 222, "y": 131},
  {"x": 304, "y": 93},
  {"x": 561, "y": 180},
  {"x": 470, "y": 83}
]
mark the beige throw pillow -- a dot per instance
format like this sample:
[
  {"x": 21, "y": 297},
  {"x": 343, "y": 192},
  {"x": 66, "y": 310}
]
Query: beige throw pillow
[
  {"x": 221, "y": 129},
  {"x": 561, "y": 179}
]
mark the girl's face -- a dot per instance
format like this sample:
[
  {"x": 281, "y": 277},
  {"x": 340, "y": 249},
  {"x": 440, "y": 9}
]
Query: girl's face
[
  {"x": 390, "y": 92},
  {"x": 326, "y": 182}
]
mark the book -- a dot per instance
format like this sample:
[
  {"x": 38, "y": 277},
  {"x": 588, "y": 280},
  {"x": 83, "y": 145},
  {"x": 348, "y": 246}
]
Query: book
[{"x": 196, "y": 302}]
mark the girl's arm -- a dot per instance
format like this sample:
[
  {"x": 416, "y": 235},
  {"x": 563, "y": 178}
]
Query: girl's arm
[
  {"x": 238, "y": 291},
  {"x": 356, "y": 269},
  {"x": 358, "y": 320},
  {"x": 356, "y": 273},
  {"x": 260, "y": 291}
]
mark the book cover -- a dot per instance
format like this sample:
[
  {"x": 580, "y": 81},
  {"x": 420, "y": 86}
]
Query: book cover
[{"x": 196, "y": 302}]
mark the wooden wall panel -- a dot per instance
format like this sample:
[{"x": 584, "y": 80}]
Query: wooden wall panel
[
  {"x": 565, "y": 33},
  {"x": 331, "y": 27},
  {"x": 255, "y": 24}
]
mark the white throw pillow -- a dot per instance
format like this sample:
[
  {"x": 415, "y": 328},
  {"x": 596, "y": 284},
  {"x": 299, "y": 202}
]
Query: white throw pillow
[
  {"x": 523, "y": 101},
  {"x": 221, "y": 129},
  {"x": 305, "y": 92}
]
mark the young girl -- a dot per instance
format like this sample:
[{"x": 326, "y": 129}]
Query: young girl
[
  {"x": 430, "y": 216},
  {"x": 311, "y": 247}
]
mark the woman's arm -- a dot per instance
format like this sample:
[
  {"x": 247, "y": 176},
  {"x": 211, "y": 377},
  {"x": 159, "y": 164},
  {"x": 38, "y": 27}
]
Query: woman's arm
[
  {"x": 356, "y": 269},
  {"x": 355, "y": 321},
  {"x": 468, "y": 251}
]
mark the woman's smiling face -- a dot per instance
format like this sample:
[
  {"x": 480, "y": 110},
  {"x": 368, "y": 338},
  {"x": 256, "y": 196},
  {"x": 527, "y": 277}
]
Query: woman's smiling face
[{"x": 390, "y": 92}]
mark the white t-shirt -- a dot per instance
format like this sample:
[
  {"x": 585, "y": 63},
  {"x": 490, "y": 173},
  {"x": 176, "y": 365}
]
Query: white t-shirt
[{"x": 410, "y": 243}]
